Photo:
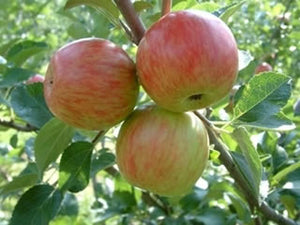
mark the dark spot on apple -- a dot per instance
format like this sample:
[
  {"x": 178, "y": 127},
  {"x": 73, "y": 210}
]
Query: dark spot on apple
[
  {"x": 51, "y": 81},
  {"x": 195, "y": 97}
]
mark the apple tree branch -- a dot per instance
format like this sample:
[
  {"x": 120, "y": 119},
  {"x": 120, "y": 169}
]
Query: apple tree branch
[
  {"x": 137, "y": 29},
  {"x": 12, "y": 124}
]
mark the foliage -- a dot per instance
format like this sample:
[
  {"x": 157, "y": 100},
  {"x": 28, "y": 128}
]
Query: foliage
[{"x": 53, "y": 173}]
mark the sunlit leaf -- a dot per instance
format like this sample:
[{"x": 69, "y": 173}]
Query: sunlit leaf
[
  {"x": 141, "y": 5},
  {"x": 283, "y": 173},
  {"x": 228, "y": 11},
  {"x": 261, "y": 99},
  {"x": 107, "y": 5}
]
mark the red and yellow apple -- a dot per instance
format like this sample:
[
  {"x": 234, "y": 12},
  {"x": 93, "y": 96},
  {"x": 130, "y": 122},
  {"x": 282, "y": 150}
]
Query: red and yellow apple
[
  {"x": 162, "y": 151},
  {"x": 263, "y": 67},
  {"x": 187, "y": 60},
  {"x": 91, "y": 84},
  {"x": 37, "y": 78}
]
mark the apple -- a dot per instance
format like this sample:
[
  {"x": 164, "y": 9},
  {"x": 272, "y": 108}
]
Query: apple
[
  {"x": 263, "y": 67},
  {"x": 37, "y": 78},
  {"x": 162, "y": 151},
  {"x": 187, "y": 60},
  {"x": 91, "y": 84}
]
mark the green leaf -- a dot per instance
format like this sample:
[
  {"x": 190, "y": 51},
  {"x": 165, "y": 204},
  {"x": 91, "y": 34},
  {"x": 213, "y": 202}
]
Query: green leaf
[
  {"x": 245, "y": 169},
  {"x": 38, "y": 205},
  {"x": 261, "y": 100},
  {"x": 290, "y": 204},
  {"x": 105, "y": 6},
  {"x": 244, "y": 59},
  {"x": 193, "y": 4},
  {"x": 14, "y": 76},
  {"x": 51, "y": 141},
  {"x": 211, "y": 216},
  {"x": 74, "y": 168},
  {"x": 252, "y": 158},
  {"x": 102, "y": 161},
  {"x": 141, "y": 5},
  {"x": 14, "y": 141},
  {"x": 295, "y": 35},
  {"x": 193, "y": 200},
  {"x": 241, "y": 208},
  {"x": 19, "y": 182},
  {"x": 29, "y": 104},
  {"x": 277, "y": 122},
  {"x": 21, "y": 51},
  {"x": 69, "y": 206},
  {"x": 284, "y": 172},
  {"x": 77, "y": 31},
  {"x": 124, "y": 200},
  {"x": 4, "y": 49},
  {"x": 228, "y": 11}
]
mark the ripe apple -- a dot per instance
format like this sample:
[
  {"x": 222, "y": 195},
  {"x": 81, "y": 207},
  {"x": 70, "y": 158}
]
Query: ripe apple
[
  {"x": 263, "y": 67},
  {"x": 91, "y": 84},
  {"x": 187, "y": 60},
  {"x": 162, "y": 151},
  {"x": 35, "y": 79}
]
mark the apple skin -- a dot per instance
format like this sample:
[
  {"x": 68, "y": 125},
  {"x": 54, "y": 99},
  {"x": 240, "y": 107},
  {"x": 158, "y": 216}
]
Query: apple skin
[
  {"x": 162, "y": 151},
  {"x": 187, "y": 60},
  {"x": 91, "y": 84},
  {"x": 263, "y": 67},
  {"x": 35, "y": 79}
]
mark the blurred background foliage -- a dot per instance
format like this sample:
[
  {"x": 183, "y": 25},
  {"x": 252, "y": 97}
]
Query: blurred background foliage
[{"x": 31, "y": 30}]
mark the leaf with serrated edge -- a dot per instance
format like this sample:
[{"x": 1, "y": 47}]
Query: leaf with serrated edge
[
  {"x": 262, "y": 98},
  {"x": 38, "y": 205},
  {"x": 51, "y": 141},
  {"x": 242, "y": 137},
  {"x": 74, "y": 168}
]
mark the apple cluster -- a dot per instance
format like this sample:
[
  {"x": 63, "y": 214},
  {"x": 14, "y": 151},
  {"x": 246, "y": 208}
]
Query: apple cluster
[{"x": 187, "y": 60}]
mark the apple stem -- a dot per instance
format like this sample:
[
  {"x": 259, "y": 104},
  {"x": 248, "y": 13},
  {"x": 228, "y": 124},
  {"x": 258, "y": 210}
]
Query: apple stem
[
  {"x": 166, "y": 7},
  {"x": 132, "y": 19},
  {"x": 228, "y": 162}
]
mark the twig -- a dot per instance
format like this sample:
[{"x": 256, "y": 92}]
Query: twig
[
  {"x": 166, "y": 7},
  {"x": 153, "y": 201},
  {"x": 228, "y": 162},
  {"x": 112, "y": 171},
  {"x": 131, "y": 17},
  {"x": 12, "y": 124},
  {"x": 98, "y": 136}
]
